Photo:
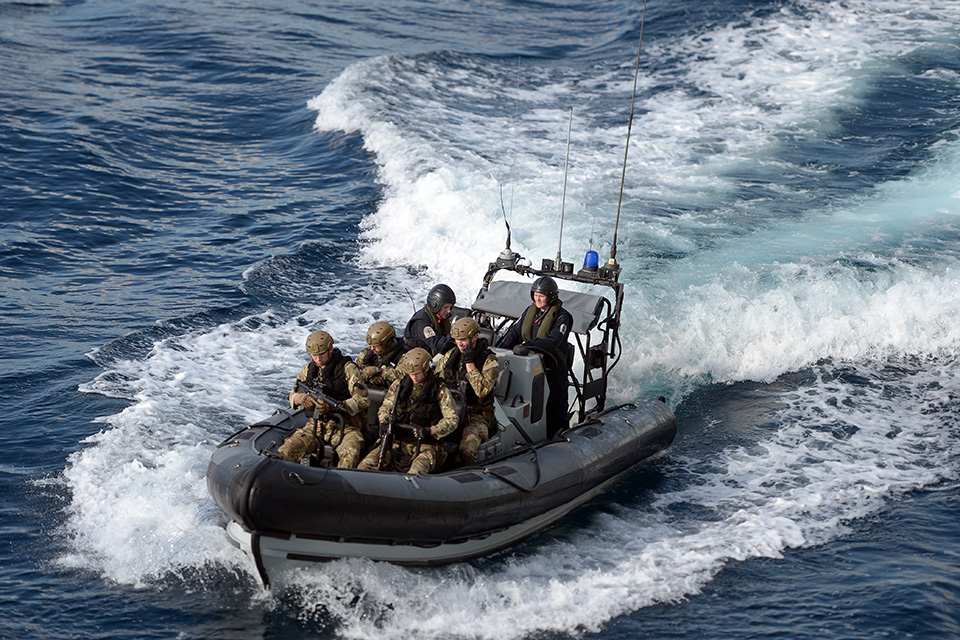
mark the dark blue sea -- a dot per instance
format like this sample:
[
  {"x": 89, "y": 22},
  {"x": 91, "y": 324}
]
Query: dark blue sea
[{"x": 187, "y": 189}]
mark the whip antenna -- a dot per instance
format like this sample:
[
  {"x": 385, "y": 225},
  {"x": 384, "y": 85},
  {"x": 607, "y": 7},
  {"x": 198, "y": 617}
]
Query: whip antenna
[
  {"x": 563, "y": 198},
  {"x": 513, "y": 166},
  {"x": 505, "y": 221},
  {"x": 636, "y": 72},
  {"x": 410, "y": 295},
  {"x": 507, "y": 256}
]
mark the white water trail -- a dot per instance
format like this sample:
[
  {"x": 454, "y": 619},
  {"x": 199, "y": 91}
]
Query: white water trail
[{"x": 747, "y": 299}]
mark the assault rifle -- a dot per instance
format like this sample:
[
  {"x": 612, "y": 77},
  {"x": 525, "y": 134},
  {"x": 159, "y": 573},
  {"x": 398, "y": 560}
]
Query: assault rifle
[
  {"x": 318, "y": 394},
  {"x": 386, "y": 437},
  {"x": 340, "y": 409}
]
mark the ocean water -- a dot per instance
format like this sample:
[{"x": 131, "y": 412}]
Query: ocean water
[{"x": 188, "y": 189}]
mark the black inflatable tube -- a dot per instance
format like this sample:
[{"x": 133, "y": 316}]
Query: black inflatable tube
[{"x": 277, "y": 498}]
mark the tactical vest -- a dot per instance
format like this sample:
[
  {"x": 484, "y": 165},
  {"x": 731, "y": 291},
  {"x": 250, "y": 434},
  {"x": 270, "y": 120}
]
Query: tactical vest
[
  {"x": 543, "y": 330},
  {"x": 455, "y": 372},
  {"x": 441, "y": 327},
  {"x": 334, "y": 379},
  {"x": 424, "y": 411},
  {"x": 387, "y": 358}
]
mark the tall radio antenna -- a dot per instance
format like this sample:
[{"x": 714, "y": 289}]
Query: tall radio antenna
[
  {"x": 516, "y": 135},
  {"x": 563, "y": 198},
  {"x": 612, "y": 264}
]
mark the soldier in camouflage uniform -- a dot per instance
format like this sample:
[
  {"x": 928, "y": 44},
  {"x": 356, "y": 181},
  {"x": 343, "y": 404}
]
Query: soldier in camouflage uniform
[
  {"x": 338, "y": 377},
  {"x": 471, "y": 367},
  {"x": 419, "y": 399},
  {"x": 378, "y": 362}
]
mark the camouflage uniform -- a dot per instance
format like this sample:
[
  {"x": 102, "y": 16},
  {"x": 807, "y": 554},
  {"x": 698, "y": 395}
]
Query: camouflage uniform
[
  {"x": 380, "y": 369},
  {"x": 377, "y": 375},
  {"x": 404, "y": 444},
  {"x": 482, "y": 381},
  {"x": 349, "y": 448}
]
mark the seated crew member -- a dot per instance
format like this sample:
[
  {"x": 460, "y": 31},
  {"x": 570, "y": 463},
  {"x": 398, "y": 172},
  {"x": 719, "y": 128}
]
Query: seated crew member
[
  {"x": 544, "y": 326},
  {"x": 419, "y": 399},
  {"x": 429, "y": 328},
  {"x": 471, "y": 366},
  {"x": 378, "y": 362},
  {"x": 337, "y": 377}
]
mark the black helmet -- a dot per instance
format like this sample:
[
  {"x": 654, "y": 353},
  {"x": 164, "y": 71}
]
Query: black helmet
[
  {"x": 439, "y": 296},
  {"x": 547, "y": 286}
]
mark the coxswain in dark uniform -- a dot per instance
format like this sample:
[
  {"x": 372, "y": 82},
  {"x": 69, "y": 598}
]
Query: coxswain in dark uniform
[{"x": 545, "y": 326}]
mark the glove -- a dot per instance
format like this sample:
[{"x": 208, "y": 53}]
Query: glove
[
  {"x": 384, "y": 427},
  {"x": 310, "y": 403},
  {"x": 369, "y": 372},
  {"x": 521, "y": 350},
  {"x": 469, "y": 353},
  {"x": 422, "y": 433}
]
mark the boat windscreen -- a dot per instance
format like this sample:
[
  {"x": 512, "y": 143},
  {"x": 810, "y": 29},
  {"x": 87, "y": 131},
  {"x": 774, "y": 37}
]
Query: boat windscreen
[{"x": 510, "y": 299}]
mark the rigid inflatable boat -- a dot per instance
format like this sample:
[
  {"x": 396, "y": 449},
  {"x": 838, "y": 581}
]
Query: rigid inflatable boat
[{"x": 285, "y": 514}]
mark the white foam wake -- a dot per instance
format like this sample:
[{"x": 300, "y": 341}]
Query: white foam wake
[{"x": 726, "y": 294}]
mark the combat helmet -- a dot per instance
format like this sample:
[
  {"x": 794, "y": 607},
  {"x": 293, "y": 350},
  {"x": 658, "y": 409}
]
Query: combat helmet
[
  {"x": 319, "y": 342},
  {"x": 415, "y": 361},
  {"x": 440, "y": 295},
  {"x": 381, "y": 333},
  {"x": 547, "y": 286},
  {"x": 464, "y": 328}
]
